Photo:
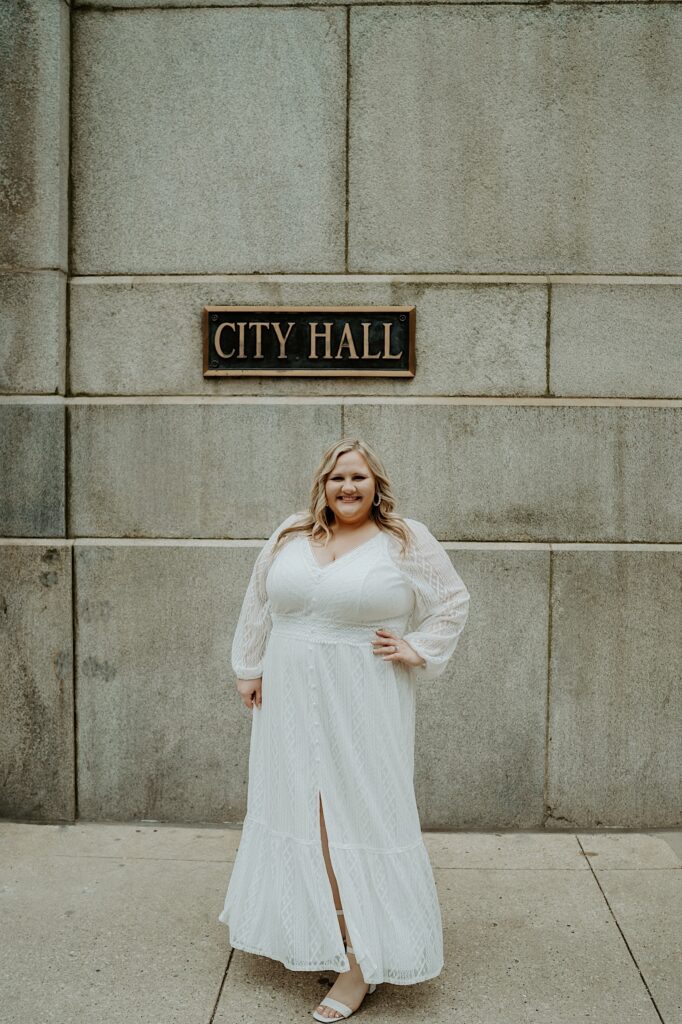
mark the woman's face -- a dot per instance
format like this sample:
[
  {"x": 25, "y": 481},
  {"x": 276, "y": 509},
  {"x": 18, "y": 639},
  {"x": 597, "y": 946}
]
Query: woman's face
[{"x": 350, "y": 489}]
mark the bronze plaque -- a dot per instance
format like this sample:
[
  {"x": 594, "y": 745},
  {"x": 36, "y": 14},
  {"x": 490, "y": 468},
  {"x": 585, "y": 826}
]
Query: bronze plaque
[{"x": 309, "y": 341}]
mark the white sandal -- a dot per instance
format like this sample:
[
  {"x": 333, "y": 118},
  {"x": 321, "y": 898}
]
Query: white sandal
[{"x": 334, "y": 1004}]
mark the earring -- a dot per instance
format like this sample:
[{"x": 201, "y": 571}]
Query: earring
[{"x": 377, "y": 495}]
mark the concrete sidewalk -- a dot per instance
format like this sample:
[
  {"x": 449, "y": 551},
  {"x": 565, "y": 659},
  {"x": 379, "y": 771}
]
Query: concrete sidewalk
[{"x": 118, "y": 923}]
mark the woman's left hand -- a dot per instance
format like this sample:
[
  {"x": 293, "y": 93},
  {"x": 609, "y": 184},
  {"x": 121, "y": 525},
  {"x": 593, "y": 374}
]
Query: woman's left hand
[{"x": 393, "y": 648}]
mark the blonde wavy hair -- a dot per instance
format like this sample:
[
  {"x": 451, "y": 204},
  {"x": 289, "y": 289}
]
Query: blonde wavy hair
[{"x": 318, "y": 518}]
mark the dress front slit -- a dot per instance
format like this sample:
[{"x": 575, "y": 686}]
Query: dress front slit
[
  {"x": 342, "y": 952},
  {"x": 356, "y": 916}
]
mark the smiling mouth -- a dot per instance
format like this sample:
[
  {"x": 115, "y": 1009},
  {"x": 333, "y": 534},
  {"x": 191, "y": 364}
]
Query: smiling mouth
[{"x": 350, "y": 500}]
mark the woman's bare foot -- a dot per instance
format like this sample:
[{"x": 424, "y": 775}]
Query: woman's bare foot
[{"x": 349, "y": 988}]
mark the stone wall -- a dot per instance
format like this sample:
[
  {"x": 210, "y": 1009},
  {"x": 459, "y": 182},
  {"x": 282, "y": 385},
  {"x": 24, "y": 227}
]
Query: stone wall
[{"x": 512, "y": 169}]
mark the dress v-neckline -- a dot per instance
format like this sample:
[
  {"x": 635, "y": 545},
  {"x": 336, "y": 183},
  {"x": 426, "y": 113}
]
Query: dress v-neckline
[{"x": 346, "y": 554}]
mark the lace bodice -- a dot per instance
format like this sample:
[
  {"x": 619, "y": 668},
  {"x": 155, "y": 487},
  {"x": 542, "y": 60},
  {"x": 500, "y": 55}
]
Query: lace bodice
[{"x": 441, "y": 604}]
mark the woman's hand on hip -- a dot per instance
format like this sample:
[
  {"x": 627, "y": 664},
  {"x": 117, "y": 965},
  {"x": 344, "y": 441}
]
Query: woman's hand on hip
[
  {"x": 393, "y": 648},
  {"x": 250, "y": 691}
]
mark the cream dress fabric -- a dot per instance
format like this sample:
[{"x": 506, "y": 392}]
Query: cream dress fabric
[{"x": 337, "y": 724}]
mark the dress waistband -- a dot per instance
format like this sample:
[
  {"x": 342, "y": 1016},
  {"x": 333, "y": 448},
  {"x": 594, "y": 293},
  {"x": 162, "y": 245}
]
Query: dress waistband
[{"x": 315, "y": 630}]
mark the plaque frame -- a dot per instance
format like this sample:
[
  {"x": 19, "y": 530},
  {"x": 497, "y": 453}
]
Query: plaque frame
[{"x": 376, "y": 311}]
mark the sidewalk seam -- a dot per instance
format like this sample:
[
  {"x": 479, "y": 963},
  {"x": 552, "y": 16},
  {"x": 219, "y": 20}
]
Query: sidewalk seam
[{"x": 622, "y": 933}]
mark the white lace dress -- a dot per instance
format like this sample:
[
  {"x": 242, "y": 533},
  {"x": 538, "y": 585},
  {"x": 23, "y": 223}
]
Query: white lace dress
[{"x": 337, "y": 724}]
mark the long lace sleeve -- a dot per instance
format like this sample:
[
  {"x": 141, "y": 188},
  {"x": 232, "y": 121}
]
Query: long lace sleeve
[
  {"x": 441, "y": 602},
  {"x": 254, "y": 622}
]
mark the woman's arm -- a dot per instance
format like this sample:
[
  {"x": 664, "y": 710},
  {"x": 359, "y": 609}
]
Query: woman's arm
[
  {"x": 254, "y": 622},
  {"x": 441, "y": 602}
]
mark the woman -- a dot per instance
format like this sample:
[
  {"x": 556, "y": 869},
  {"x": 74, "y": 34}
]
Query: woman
[{"x": 348, "y": 609}]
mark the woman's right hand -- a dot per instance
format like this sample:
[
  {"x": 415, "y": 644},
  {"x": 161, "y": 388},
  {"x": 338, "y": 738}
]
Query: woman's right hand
[{"x": 250, "y": 691}]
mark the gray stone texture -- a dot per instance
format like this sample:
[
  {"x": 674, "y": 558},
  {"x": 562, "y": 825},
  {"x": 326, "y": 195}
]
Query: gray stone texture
[
  {"x": 495, "y": 690},
  {"x": 99, "y": 913},
  {"x": 615, "y": 751},
  {"x": 110, "y": 938},
  {"x": 154, "y": 469},
  {"x": 531, "y": 473},
  {"x": 527, "y": 946},
  {"x": 36, "y": 683},
  {"x": 208, "y": 140},
  {"x": 32, "y": 469},
  {"x": 162, "y": 731},
  {"x": 616, "y": 340},
  {"x": 32, "y": 332},
  {"x": 141, "y": 336},
  {"x": 673, "y": 838},
  {"x": 145, "y": 840},
  {"x": 518, "y": 850},
  {"x": 510, "y": 138},
  {"x": 140, "y": 4},
  {"x": 34, "y": 80},
  {"x": 482, "y": 138},
  {"x": 618, "y": 850},
  {"x": 648, "y": 906}
]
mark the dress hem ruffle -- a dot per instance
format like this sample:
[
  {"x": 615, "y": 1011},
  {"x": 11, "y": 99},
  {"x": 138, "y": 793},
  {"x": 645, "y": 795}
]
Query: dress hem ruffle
[
  {"x": 322, "y": 965},
  {"x": 275, "y": 872}
]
